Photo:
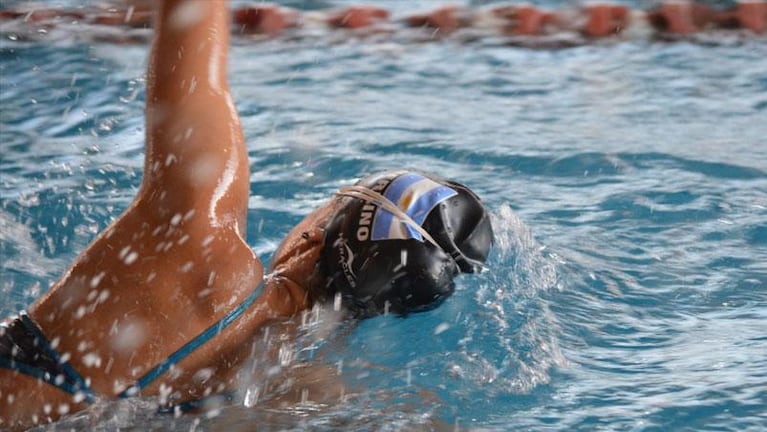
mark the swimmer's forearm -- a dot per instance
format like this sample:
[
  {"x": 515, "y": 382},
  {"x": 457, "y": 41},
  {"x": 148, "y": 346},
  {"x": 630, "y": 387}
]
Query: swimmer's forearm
[
  {"x": 194, "y": 146},
  {"x": 189, "y": 51}
]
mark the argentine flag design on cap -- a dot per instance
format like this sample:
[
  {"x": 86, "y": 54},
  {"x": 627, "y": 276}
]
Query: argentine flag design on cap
[{"x": 416, "y": 195}]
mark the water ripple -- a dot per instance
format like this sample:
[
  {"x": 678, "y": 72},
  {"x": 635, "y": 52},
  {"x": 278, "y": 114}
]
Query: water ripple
[{"x": 628, "y": 183}]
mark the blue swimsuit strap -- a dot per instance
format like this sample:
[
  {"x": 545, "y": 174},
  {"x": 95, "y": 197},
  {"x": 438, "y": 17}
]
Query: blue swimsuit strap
[
  {"x": 77, "y": 384},
  {"x": 190, "y": 346}
]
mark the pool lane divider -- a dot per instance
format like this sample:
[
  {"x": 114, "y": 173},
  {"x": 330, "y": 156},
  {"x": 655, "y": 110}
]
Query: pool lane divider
[{"x": 597, "y": 20}]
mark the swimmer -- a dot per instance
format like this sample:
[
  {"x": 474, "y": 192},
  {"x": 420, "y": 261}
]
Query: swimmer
[{"x": 171, "y": 288}]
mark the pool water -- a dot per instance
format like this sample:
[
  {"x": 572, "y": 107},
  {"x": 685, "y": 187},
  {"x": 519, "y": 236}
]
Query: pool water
[{"x": 628, "y": 184}]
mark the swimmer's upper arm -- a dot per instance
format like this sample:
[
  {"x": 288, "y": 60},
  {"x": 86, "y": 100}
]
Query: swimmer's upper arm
[{"x": 194, "y": 141}]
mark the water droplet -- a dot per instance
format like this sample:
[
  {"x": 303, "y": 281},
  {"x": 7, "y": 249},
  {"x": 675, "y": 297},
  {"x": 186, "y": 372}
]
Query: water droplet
[
  {"x": 92, "y": 360},
  {"x": 131, "y": 258},
  {"x": 103, "y": 296},
  {"x": 203, "y": 375},
  {"x": 337, "y": 302},
  {"x": 186, "y": 15},
  {"x": 251, "y": 397},
  {"x": 79, "y": 397},
  {"x": 187, "y": 267},
  {"x": 285, "y": 355},
  {"x": 165, "y": 391},
  {"x": 441, "y": 328},
  {"x": 96, "y": 280},
  {"x": 127, "y": 335}
]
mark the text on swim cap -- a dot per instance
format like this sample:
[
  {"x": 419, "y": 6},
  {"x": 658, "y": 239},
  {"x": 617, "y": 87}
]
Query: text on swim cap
[{"x": 366, "y": 215}]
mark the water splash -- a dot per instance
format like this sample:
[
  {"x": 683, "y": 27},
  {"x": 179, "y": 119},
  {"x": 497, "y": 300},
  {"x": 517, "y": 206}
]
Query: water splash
[{"x": 511, "y": 342}]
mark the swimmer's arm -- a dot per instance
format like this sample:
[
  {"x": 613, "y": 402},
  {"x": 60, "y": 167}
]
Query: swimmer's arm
[{"x": 195, "y": 149}]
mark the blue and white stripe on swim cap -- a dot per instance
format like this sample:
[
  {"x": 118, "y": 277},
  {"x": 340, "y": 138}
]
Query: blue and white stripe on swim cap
[{"x": 414, "y": 194}]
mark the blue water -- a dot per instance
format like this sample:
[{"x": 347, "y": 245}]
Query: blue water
[{"x": 628, "y": 183}]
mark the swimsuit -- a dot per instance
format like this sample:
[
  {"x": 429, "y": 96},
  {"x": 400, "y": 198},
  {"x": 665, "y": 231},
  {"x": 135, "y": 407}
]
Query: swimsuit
[{"x": 24, "y": 349}]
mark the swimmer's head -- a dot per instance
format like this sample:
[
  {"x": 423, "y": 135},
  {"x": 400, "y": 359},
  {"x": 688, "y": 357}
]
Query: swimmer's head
[{"x": 397, "y": 241}]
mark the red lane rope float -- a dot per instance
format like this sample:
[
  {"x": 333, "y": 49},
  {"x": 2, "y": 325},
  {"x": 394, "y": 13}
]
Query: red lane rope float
[{"x": 591, "y": 21}]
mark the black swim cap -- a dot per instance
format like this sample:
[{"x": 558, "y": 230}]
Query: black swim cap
[{"x": 380, "y": 263}]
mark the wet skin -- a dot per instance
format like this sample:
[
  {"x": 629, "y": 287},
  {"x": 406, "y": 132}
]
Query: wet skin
[{"x": 176, "y": 261}]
